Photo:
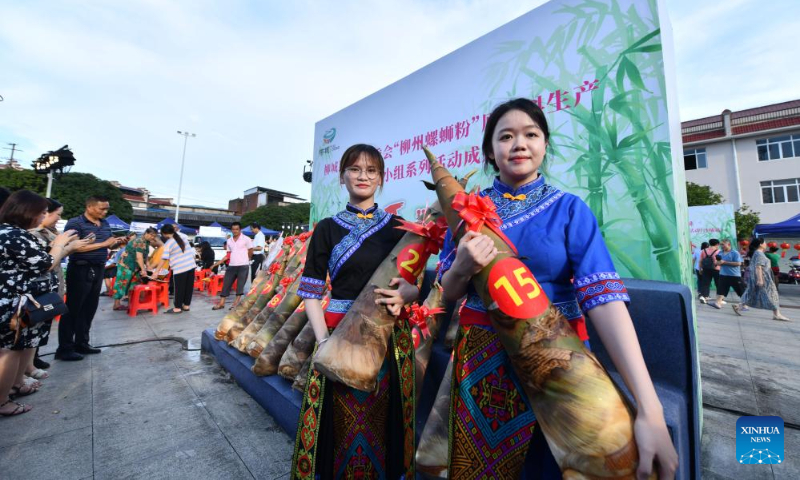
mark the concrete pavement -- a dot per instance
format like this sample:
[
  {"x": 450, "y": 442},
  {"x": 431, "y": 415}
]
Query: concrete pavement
[{"x": 157, "y": 410}]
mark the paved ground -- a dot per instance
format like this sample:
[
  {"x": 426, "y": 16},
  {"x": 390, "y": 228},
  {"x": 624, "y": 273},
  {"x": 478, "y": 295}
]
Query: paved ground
[{"x": 156, "y": 410}]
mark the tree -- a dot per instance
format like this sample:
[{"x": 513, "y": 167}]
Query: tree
[
  {"x": 72, "y": 189},
  {"x": 699, "y": 195},
  {"x": 23, "y": 179},
  {"x": 275, "y": 216},
  {"x": 745, "y": 218}
]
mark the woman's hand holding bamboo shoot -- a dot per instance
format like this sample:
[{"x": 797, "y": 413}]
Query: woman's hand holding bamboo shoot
[
  {"x": 655, "y": 446},
  {"x": 474, "y": 252},
  {"x": 395, "y": 299}
]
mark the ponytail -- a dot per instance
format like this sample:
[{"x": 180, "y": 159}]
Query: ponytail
[{"x": 168, "y": 228}]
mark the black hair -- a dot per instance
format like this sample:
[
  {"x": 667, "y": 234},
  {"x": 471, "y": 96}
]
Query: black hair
[
  {"x": 53, "y": 205},
  {"x": 22, "y": 209},
  {"x": 168, "y": 228},
  {"x": 255, "y": 225},
  {"x": 353, "y": 153},
  {"x": 713, "y": 242},
  {"x": 704, "y": 245},
  {"x": 523, "y": 105},
  {"x": 236, "y": 224},
  {"x": 95, "y": 199},
  {"x": 4, "y": 194},
  {"x": 773, "y": 249},
  {"x": 754, "y": 244}
]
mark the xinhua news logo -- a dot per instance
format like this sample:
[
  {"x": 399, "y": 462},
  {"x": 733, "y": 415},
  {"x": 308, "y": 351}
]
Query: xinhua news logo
[{"x": 759, "y": 440}]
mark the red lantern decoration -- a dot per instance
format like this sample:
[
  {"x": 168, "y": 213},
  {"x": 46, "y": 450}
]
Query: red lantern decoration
[
  {"x": 772, "y": 244},
  {"x": 797, "y": 246},
  {"x": 745, "y": 243},
  {"x": 785, "y": 246}
]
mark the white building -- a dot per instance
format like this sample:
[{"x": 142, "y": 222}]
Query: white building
[{"x": 751, "y": 157}]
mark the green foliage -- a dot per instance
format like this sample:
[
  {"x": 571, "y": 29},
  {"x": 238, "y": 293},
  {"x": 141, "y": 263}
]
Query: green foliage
[
  {"x": 701, "y": 195},
  {"x": 23, "y": 179},
  {"x": 72, "y": 189},
  {"x": 275, "y": 216},
  {"x": 746, "y": 221}
]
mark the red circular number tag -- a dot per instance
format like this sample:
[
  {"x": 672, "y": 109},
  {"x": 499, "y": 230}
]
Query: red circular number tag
[
  {"x": 411, "y": 261},
  {"x": 275, "y": 301},
  {"x": 301, "y": 307},
  {"x": 325, "y": 302},
  {"x": 267, "y": 288},
  {"x": 516, "y": 292}
]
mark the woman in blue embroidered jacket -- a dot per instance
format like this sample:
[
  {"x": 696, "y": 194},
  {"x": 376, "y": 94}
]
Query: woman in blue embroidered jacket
[
  {"x": 342, "y": 432},
  {"x": 556, "y": 234}
]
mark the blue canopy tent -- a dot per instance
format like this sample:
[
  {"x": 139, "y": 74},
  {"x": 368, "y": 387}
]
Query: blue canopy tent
[
  {"x": 117, "y": 224},
  {"x": 181, "y": 228},
  {"x": 786, "y": 228},
  {"x": 266, "y": 231}
]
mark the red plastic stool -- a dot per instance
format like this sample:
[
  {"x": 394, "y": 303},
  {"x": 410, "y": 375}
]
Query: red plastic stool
[
  {"x": 162, "y": 292},
  {"x": 143, "y": 297},
  {"x": 215, "y": 285}
]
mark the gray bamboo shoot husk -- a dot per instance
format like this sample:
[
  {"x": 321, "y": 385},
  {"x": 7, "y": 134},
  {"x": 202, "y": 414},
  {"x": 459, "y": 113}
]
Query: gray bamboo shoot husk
[
  {"x": 297, "y": 353},
  {"x": 452, "y": 328},
  {"x": 422, "y": 353},
  {"x": 301, "y": 379},
  {"x": 432, "y": 454}
]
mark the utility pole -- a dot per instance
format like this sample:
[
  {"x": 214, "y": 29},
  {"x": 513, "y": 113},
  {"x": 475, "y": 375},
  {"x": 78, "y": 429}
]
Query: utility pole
[
  {"x": 13, "y": 149},
  {"x": 186, "y": 136}
]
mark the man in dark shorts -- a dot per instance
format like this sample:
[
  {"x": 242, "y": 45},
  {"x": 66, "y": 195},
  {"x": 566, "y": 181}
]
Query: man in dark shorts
[{"x": 729, "y": 262}]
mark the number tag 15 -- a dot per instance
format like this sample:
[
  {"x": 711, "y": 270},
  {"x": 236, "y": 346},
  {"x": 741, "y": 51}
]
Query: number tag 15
[{"x": 516, "y": 292}]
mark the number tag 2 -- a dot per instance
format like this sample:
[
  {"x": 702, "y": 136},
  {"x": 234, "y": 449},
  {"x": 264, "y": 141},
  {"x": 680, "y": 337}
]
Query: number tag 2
[
  {"x": 515, "y": 290},
  {"x": 411, "y": 261}
]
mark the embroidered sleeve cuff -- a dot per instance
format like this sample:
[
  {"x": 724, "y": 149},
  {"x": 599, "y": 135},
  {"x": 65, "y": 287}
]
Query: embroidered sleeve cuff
[
  {"x": 311, "y": 288},
  {"x": 444, "y": 265},
  {"x": 598, "y": 289}
]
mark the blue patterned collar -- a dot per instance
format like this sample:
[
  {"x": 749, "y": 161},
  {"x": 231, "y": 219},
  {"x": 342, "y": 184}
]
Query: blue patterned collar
[
  {"x": 527, "y": 189},
  {"x": 352, "y": 208}
]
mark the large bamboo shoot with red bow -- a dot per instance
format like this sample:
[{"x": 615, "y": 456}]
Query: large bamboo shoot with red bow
[
  {"x": 356, "y": 349},
  {"x": 452, "y": 327},
  {"x": 586, "y": 420},
  {"x": 425, "y": 321},
  {"x": 301, "y": 379},
  {"x": 284, "y": 291},
  {"x": 276, "y": 319}
]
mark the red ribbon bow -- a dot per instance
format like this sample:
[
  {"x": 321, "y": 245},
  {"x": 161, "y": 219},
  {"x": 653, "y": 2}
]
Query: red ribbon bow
[
  {"x": 419, "y": 317},
  {"x": 433, "y": 232},
  {"x": 304, "y": 236},
  {"x": 476, "y": 211},
  {"x": 273, "y": 269},
  {"x": 286, "y": 281}
]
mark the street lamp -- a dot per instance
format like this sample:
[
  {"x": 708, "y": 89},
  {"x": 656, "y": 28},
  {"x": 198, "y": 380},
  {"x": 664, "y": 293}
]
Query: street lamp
[{"x": 186, "y": 136}]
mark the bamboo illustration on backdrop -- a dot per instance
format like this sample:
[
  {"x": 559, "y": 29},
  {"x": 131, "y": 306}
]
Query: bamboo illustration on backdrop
[{"x": 613, "y": 145}]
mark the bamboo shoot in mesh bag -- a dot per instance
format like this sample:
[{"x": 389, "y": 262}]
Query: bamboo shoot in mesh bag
[
  {"x": 234, "y": 315},
  {"x": 297, "y": 353},
  {"x": 278, "y": 317},
  {"x": 356, "y": 349},
  {"x": 432, "y": 453},
  {"x": 270, "y": 290},
  {"x": 587, "y": 422},
  {"x": 301, "y": 378},
  {"x": 425, "y": 321},
  {"x": 270, "y": 357},
  {"x": 287, "y": 298}
]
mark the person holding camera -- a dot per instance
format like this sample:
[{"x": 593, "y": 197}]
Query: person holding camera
[
  {"x": 85, "y": 278},
  {"x": 26, "y": 272}
]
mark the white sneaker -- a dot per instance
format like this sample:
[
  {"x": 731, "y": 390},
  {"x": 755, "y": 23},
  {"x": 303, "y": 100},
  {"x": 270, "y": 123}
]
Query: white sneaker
[{"x": 703, "y": 300}]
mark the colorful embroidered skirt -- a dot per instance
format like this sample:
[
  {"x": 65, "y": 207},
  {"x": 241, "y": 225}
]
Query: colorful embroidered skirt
[
  {"x": 347, "y": 433},
  {"x": 491, "y": 422}
]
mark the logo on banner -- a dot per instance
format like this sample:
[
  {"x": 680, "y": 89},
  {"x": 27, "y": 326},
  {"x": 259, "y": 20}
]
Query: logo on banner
[
  {"x": 328, "y": 136},
  {"x": 759, "y": 440}
]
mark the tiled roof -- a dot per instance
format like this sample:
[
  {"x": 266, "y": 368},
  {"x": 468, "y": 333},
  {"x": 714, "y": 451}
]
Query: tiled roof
[
  {"x": 751, "y": 120},
  {"x": 768, "y": 125},
  {"x": 777, "y": 107},
  {"x": 696, "y": 137}
]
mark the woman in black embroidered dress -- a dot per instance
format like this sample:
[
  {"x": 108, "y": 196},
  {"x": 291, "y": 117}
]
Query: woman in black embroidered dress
[
  {"x": 25, "y": 268},
  {"x": 342, "y": 432}
]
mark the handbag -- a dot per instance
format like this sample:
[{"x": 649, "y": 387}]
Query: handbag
[{"x": 33, "y": 311}]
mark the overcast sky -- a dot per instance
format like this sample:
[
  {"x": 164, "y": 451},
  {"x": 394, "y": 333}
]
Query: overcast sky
[{"x": 116, "y": 80}]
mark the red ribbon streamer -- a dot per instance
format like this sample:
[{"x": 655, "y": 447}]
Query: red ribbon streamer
[
  {"x": 419, "y": 317},
  {"x": 286, "y": 281},
  {"x": 433, "y": 232},
  {"x": 476, "y": 211}
]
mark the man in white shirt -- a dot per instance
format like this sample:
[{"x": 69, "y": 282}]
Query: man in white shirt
[{"x": 259, "y": 249}]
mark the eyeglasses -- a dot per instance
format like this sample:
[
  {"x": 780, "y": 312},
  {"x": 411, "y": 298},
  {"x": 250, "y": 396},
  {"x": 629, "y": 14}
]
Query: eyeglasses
[{"x": 355, "y": 172}]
